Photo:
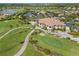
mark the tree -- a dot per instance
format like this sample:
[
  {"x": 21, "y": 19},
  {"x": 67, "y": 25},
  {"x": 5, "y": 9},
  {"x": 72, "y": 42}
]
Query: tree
[
  {"x": 11, "y": 26},
  {"x": 33, "y": 41}
]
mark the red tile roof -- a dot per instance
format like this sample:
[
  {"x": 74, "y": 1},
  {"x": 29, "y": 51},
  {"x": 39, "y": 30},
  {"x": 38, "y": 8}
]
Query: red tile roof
[{"x": 51, "y": 21}]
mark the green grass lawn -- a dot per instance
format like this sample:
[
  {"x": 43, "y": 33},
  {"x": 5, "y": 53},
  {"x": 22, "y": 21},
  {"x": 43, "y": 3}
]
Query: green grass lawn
[
  {"x": 30, "y": 51},
  {"x": 54, "y": 44},
  {"x": 11, "y": 43},
  {"x": 5, "y": 25}
]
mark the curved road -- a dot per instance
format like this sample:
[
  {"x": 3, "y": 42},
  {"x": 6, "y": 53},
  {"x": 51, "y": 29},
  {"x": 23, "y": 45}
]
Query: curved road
[
  {"x": 20, "y": 52},
  {"x": 25, "y": 42}
]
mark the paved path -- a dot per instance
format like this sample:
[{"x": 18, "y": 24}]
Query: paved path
[
  {"x": 10, "y": 31},
  {"x": 20, "y": 52},
  {"x": 25, "y": 42}
]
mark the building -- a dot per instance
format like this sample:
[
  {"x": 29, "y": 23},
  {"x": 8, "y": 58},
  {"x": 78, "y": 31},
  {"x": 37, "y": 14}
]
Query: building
[
  {"x": 76, "y": 29},
  {"x": 69, "y": 26},
  {"x": 51, "y": 24}
]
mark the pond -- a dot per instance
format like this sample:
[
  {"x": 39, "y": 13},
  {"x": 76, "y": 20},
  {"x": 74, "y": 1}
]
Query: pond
[{"x": 8, "y": 11}]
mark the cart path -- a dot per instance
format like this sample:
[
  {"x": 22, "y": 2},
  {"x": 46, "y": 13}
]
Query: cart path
[
  {"x": 22, "y": 49},
  {"x": 9, "y": 32},
  {"x": 20, "y": 52}
]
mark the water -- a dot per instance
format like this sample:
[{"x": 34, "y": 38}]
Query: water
[{"x": 8, "y": 11}]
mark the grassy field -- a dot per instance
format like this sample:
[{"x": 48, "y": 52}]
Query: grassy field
[
  {"x": 12, "y": 42},
  {"x": 57, "y": 45},
  {"x": 5, "y": 25}
]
